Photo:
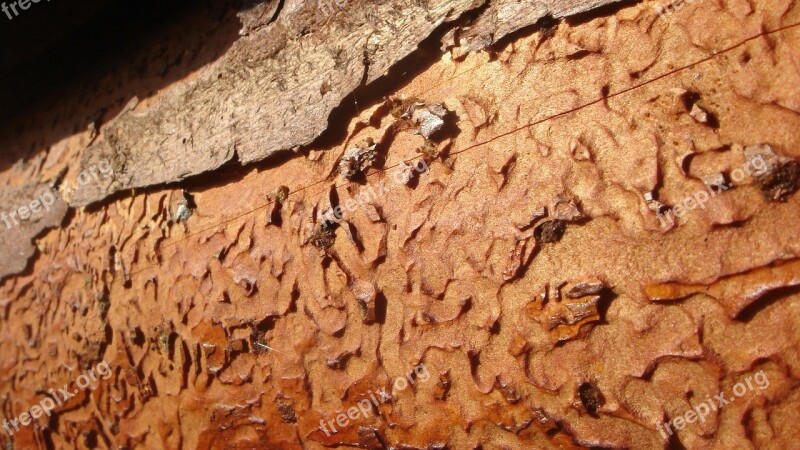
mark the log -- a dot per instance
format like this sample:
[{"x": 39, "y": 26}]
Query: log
[{"x": 411, "y": 225}]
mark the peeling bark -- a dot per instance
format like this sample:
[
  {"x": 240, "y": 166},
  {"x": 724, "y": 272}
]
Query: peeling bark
[
  {"x": 262, "y": 99},
  {"x": 527, "y": 267}
]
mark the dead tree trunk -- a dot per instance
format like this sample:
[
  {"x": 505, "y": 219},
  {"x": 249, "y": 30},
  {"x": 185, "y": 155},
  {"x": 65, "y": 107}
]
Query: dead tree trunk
[{"x": 413, "y": 225}]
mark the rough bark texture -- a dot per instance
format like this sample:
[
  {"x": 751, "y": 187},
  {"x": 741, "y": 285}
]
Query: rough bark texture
[
  {"x": 527, "y": 268},
  {"x": 16, "y": 241},
  {"x": 275, "y": 89}
]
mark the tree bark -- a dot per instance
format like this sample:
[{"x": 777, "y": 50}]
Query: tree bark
[{"x": 415, "y": 225}]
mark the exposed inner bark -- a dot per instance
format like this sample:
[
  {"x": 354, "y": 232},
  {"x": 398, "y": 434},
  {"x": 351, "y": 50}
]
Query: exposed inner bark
[{"x": 501, "y": 210}]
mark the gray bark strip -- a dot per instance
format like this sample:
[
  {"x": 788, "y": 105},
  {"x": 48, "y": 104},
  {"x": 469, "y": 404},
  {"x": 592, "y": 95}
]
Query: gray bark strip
[
  {"x": 16, "y": 234},
  {"x": 276, "y": 88}
]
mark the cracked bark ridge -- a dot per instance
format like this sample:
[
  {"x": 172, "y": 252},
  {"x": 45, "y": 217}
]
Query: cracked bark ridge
[
  {"x": 503, "y": 17},
  {"x": 277, "y": 86}
]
